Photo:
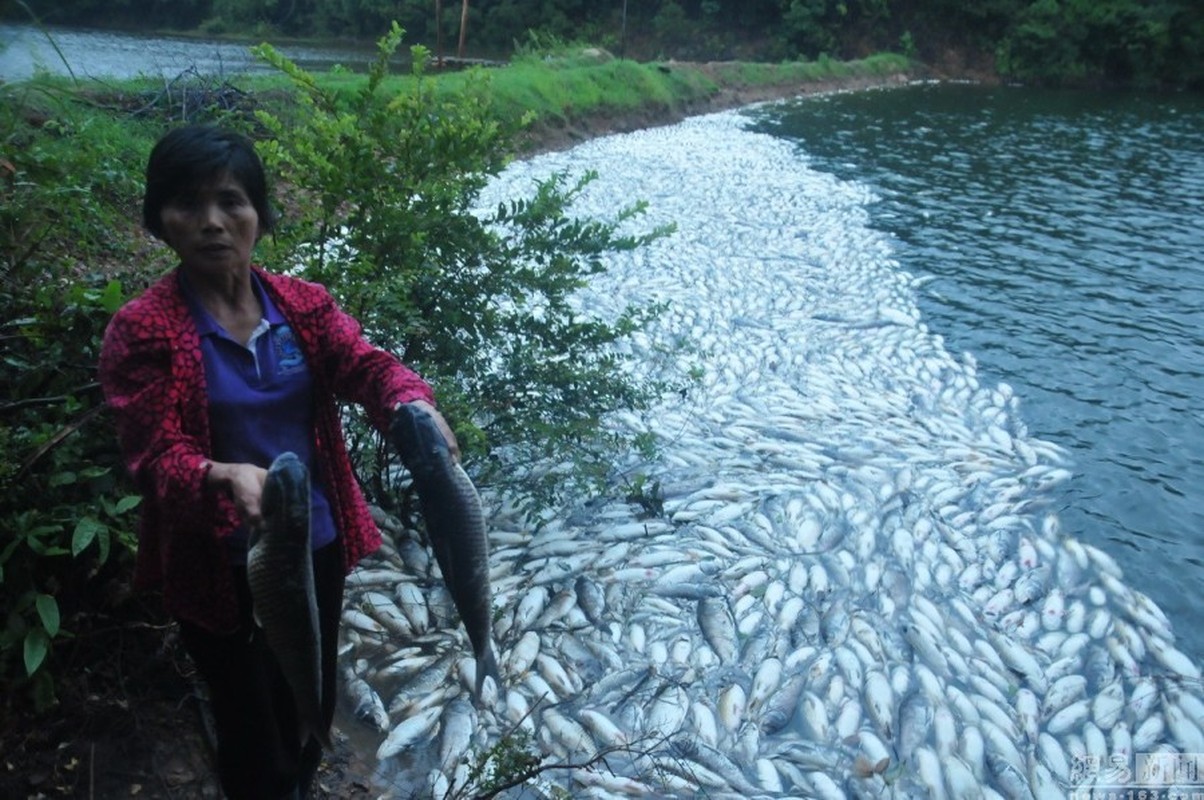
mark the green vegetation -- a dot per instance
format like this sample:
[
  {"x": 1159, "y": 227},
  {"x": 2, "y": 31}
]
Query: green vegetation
[
  {"x": 480, "y": 304},
  {"x": 67, "y": 191},
  {"x": 1121, "y": 42},
  {"x": 552, "y": 84},
  {"x": 1085, "y": 42}
]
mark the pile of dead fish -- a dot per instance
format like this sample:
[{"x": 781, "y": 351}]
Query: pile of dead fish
[{"x": 857, "y": 587}]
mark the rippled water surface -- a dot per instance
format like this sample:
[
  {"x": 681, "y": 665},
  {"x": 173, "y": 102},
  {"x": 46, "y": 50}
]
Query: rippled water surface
[
  {"x": 109, "y": 54},
  {"x": 1066, "y": 231}
]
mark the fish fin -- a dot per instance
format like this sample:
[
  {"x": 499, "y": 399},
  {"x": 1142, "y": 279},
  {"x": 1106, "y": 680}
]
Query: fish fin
[{"x": 862, "y": 767}]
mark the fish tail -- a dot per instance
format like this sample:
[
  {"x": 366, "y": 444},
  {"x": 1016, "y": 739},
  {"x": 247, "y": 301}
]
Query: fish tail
[
  {"x": 487, "y": 665},
  {"x": 314, "y": 730}
]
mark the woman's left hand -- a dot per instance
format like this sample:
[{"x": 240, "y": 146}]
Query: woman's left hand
[{"x": 442, "y": 425}]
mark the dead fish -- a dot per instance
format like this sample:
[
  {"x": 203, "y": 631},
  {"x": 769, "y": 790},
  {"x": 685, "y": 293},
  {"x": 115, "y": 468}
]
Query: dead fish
[
  {"x": 455, "y": 523},
  {"x": 718, "y": 626},
  {"x": 281, "y": 576},
  {"x": 419, "y": 728},
  {"x": 368, "y": 707}
]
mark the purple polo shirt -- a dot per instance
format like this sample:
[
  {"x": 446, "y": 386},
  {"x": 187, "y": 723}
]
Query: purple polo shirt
[{"x": 260, "y": 402}]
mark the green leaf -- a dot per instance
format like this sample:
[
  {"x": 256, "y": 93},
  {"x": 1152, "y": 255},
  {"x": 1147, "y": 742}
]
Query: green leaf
[
  {"x": 85, "y": 531},
  {"x": 112, "y": 297},
  {"x": 37, "y": 643},
  {"x": 7, "y": 552},
  {"x": 103, "y": 541},
  {"x": 48, "y": 611},
  {"x": 128, "y": 502}
]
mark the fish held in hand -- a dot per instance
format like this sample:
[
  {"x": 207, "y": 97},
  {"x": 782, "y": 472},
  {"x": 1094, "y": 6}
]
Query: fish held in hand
[
  {"x": 281, "y": 576},
  {"x": 455, "y": 523}
]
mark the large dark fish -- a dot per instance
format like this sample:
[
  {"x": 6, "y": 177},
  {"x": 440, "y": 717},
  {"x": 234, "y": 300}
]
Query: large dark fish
[
  {"x": 281, "y": 574},
  {"x": 455, "y": 523}
]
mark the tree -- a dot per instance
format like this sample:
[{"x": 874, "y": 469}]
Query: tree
[
  {"x": 480, "y": 303},
  {"x": 463, "y": 28}
]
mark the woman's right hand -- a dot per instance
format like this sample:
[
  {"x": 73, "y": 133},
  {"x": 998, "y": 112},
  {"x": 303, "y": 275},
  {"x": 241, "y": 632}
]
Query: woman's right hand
[{"x": 244, "y": 482}]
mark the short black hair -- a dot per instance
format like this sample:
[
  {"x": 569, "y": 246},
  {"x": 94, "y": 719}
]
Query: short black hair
[{"x": 187, "y": 158}]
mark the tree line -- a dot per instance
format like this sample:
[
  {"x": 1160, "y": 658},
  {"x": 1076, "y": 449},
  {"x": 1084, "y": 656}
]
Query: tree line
[{"x": 1095, "y": 42}]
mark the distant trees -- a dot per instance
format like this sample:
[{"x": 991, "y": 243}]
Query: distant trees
[
  {"x": 1143, "y": 42},
  {"x": 1117, "y": 41}
]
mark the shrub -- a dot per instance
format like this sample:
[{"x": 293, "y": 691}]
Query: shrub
[
  {"x": 385, "y": 185},
  {"x": 66, "y": 180},
  {"x": 387, "y": 179}
]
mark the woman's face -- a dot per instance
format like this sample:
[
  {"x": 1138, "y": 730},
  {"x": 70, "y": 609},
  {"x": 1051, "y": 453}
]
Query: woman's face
[{"x": 212, "y": 229}]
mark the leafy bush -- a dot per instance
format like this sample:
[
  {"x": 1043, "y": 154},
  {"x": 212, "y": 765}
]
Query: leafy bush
[
  {"x": 386, "y": 184},
  {"x": 807, "y": 28},
  {"x": 66, "y": 180}
]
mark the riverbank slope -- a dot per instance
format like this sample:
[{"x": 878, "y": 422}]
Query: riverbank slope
[{"x": 711, "y": 87}]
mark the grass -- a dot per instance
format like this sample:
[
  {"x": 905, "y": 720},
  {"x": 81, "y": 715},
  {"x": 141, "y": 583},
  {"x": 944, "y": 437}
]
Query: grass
[
  {"x": 544, "y": 88},
  {"x": 562, "y": 88}
]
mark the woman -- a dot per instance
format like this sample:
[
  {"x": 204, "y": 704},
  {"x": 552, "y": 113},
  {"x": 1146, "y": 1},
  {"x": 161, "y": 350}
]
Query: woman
[{"x": 212, "y": 372}]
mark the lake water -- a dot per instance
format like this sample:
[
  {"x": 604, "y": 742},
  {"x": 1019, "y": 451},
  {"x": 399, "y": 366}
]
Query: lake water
[
  {"x": 108, "y": 54},
  {"x": 1066, "y": 233}
]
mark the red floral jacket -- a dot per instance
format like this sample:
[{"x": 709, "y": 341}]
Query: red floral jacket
[{"x": 153, "y": 378}]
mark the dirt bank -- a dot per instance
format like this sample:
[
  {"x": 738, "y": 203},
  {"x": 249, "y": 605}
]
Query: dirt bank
[{"x": 552, "y": 136}]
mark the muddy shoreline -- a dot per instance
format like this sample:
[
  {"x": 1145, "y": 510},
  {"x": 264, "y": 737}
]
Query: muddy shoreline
[{"x": 545, "y": 137}]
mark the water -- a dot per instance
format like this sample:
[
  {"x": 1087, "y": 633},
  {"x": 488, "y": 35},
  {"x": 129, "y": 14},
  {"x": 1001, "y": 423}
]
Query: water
[
  {"x": 106, "y": 54},
  {"x": 1065, "y": 232}
]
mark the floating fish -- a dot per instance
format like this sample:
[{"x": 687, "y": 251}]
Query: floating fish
[{"x": 416, "y": 729}]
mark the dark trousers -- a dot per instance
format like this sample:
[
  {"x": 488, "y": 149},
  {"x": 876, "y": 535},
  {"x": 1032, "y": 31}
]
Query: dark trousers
[{"x": 259, "y": 753}]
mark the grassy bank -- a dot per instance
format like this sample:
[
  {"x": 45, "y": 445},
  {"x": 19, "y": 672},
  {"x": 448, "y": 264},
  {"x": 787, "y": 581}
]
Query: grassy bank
[
  {"x": 557, "y": 99},
  {"x": 577, "y": 99},
  {"x": 548, "y": 100}
]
